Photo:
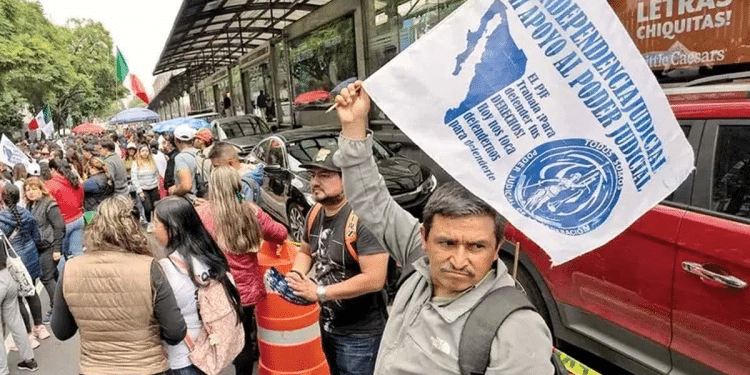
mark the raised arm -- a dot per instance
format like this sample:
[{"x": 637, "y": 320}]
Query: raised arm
[{"x": 365, "y": 188}]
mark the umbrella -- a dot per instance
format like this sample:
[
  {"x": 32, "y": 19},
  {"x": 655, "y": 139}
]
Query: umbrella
[
  {"x": 312, "y": 96},
  {"x": 170, "y": 125},
  {"x": 134, "y": 115},
  {"x": 88, "y": 128}
]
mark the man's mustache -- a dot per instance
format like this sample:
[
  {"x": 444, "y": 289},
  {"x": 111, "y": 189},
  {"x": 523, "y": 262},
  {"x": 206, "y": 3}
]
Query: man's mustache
[{"x": 450, "y": 268}]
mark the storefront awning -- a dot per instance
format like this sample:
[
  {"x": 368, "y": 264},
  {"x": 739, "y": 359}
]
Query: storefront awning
[{"x": 208, "y": 35}]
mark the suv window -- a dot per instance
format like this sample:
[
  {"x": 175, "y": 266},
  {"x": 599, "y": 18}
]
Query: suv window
[
  {"x": 249, "y": 125},
  {"x": 685, "y": 129},
  {"x": 305, "y": 150},
  {"x": 731, "y": 183}
]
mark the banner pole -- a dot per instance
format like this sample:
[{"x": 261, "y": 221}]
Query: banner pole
[{"x": 515, "y": 261}]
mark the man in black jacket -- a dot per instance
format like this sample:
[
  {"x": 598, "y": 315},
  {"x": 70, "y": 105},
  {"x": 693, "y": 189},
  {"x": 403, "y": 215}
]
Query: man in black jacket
[{"x": 170, "y": 151}]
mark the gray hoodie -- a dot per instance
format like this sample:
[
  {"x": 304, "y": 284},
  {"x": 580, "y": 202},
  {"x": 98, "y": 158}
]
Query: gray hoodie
[{"x": 422, "y": 336}]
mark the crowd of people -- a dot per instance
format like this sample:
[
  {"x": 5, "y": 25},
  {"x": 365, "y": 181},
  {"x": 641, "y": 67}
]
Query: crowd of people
[
  {"x": 126, "y": 231},
  {"x": 110, "y": 206}
]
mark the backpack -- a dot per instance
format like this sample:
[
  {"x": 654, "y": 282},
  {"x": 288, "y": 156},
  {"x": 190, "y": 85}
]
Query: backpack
[
  {"x": 482, "y": 325},
  {"x": 201, "y": 182},
  {"x": 251, "y": 182},
  {"x": 350, "y": 240},
  {"x": 222, "y": 336}
]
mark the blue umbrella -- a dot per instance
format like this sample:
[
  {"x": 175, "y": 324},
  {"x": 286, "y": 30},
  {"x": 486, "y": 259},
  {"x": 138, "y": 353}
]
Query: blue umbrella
[
  {"x": 170, "y": 125},
  {"x": 134, "y": 115}
]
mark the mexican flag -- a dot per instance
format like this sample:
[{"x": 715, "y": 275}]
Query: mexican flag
[
  {"x": 43, "y": 121},
  {"x": 130, "y": 81}
]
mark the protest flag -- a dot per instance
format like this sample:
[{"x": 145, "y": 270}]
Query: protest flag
[
  {"x": 49, "y": 126},
  {"x": 137, "y": 88},
  {"x": 121, "y": 67},
  {"x": 544, "y": 109},
  {"x": 122, "y": 72},
  {"x": 43, "y": 121}
]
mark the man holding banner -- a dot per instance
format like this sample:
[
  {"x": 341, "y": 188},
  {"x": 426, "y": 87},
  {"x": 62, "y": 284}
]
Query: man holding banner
[
  {"x": 543, "y": 110},
  {"x": 460, "y": 237}
]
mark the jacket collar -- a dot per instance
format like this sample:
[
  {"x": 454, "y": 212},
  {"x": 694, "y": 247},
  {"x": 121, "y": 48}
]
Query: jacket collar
[{"x": 466, "y": 301}]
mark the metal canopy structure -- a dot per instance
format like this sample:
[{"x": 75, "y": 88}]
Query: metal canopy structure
[{"x": 208, "y": 35}]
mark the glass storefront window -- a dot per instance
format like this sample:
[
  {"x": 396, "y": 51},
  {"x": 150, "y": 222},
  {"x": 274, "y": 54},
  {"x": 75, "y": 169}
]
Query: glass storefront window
[
  {"x": 220, "y": 88},
  {"x": 206, "y": 101},
  {"x": 282, "y": 82},
  {"x": 320, "y": 61},
  {"x": 193, "y": 100},
  {"x": 238, "y": 101},
  {"x": 396, "y": 24}
]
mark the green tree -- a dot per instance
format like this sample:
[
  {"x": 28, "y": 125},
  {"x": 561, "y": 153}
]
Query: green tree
[{"x": 70, "y": 68}]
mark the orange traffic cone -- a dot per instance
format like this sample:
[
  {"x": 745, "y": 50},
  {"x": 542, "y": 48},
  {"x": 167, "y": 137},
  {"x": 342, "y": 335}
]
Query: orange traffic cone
[{"x": 288, "y": 334}]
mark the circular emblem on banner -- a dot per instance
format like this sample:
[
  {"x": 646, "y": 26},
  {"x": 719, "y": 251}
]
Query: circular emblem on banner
[{"x": 569, "y": 185}]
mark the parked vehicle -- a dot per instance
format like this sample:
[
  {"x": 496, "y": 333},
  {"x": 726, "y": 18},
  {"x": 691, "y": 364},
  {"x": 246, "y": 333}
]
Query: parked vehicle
[
  {"x": 208, "y": 116},
  {"x": 669, "y": 295},
  {"x": 286, "y": 186},
  {"x": 242, "y": 131}
]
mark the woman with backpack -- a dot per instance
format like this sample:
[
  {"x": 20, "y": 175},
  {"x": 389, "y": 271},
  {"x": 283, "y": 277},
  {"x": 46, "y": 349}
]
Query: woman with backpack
[
  {"x": 98, "y": 186},
  {"x": 51, "y": 230},
  {"x": 145, "y": 178},
  {"x": 12, "y": 318},
  {"x": 193, "y": 261},
  {"x": 239, "y": 227},
  {"x": 20, "y": 226},
  {"x": 65, "y": 186},
  {"x": 118, "y": 298}
]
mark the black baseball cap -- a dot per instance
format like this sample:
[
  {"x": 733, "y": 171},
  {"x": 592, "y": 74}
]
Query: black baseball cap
[{"x": 324, "y": 160}]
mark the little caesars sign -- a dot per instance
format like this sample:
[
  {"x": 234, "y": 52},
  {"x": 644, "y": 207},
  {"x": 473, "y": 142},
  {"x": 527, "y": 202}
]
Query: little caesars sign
[{"x": 682, "y": 33}]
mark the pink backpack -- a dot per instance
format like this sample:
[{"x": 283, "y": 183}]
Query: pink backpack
[{"x": 222, "y": 336}]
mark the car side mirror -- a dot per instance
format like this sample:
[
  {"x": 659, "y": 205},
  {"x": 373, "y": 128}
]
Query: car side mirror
[
  {"x": 272, "y": 168},
  {"x": 395, "y": 147}
]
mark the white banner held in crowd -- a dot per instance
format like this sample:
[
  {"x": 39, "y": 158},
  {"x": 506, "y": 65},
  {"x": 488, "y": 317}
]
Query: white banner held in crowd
[
  {"x": 546, "y": 110},
  {"x": 10, "y": 154}
]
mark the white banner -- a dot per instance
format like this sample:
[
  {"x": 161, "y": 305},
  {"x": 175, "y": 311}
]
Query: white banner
[
  {"x": 10, "y": 154},
  {"x": 546, "y": 110}
]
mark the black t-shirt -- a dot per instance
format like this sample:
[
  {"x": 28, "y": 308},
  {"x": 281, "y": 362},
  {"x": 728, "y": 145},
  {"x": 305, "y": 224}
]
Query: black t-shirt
[{"x": 332, "y": 264}]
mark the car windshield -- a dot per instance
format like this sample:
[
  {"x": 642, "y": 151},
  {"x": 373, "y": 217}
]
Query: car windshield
[
  {"x": 244, "y": 126},
  {"x": 303, "y": 151}
]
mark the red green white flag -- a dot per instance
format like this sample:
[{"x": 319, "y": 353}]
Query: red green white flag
[
  {"x": 43, "y": 121},
  {"x": 130, "y": 81}
]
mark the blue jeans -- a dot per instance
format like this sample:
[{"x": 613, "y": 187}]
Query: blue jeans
[
  {"x": 72, "y": 245},
  {"x": 351, "y": 354},
  {"x": 190, "y": 370}
]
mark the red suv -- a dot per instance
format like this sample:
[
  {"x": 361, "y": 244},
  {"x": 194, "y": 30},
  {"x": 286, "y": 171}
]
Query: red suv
[{"x": 670, "y": 294}]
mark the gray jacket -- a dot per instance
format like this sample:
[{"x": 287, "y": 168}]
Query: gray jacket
[
  {"x": 422, "y": 336},
  {"x": 118, "y": 173}
]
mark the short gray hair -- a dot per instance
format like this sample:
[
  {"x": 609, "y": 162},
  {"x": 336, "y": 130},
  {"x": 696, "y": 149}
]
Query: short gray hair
[{"x": 453, "y": 200}]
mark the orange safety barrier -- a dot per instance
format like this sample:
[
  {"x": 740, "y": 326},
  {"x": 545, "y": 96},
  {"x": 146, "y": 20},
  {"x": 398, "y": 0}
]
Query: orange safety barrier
[{"x": 288, "y": 334}]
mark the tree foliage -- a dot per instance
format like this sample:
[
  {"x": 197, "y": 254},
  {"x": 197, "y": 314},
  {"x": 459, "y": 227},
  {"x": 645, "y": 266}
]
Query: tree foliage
[{"x": 71, "y": 68}]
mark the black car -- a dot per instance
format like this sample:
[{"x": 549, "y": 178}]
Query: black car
[
  {"x": 242, "y": 131},
  {"x": 286, "y": 187}
]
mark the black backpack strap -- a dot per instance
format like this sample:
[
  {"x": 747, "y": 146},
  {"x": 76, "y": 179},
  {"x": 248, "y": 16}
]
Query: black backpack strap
[{"x": 482, "y": 325}]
